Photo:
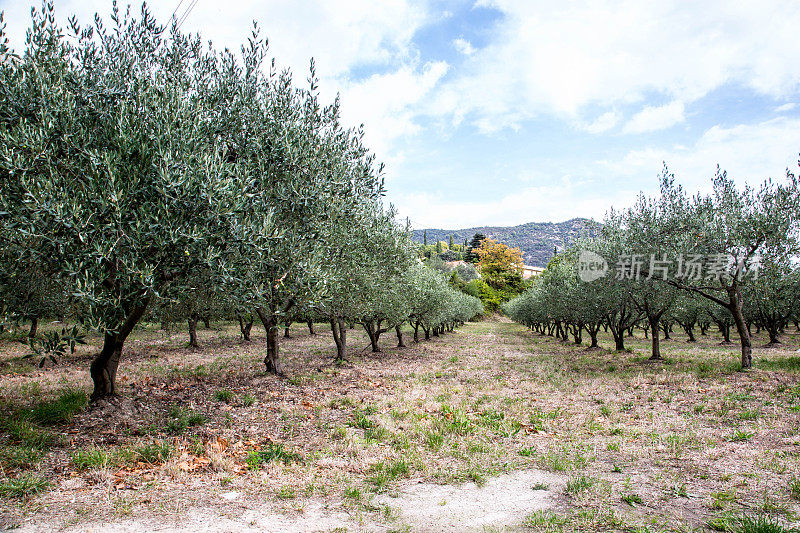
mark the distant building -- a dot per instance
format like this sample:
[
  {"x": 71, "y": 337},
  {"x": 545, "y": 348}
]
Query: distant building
[
  {"x": 530, "y": 271},
  {"x": 453, "y": 264}
]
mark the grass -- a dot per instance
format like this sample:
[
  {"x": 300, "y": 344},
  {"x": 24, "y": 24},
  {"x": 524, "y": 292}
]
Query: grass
[
  {"x": 477, "y": 477},
  {"x": 750, "y": 524},
  {"x": 578, "y": 484},
  {"x": 223, "y": 395},
  {"x": 361, "y": 422},
  {"x": 353, "y": 493},
  {"x": 22, "y": 431},
  {"x": 29, "y": 442},
  {"x": 527, "y": 452},
  {"x": 273, "y": 452},
  {"x": 153, "y": 453},
  {"x": 794, "y": 487},
  {"x": 740, "y": 435},
  {"x": 434, "y": 440},
  {"x": 448, "y": 412},
  {"x": 23, "y": 486},
  {"x": 632, "y": 499},
  {"x": 91, "y": 458},
  {"x": 20, "y": 456},
  {"x": 382, "y": 473},
  {"x": 286, "y": 493},
  {"x": 61, "y": 410},
  {"x": 180, "y": 419}
]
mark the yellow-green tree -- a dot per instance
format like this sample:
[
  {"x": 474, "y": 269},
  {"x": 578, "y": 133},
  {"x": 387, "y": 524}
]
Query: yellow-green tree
[{"x": 499, "y": 265}]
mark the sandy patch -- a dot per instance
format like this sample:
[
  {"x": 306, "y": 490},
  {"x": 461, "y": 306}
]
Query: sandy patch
[{"x": 503, "y": 501}]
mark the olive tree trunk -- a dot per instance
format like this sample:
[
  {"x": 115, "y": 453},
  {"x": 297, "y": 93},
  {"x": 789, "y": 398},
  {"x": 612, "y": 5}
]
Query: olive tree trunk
[
  {"x": 399, "y": 333},
  {"x": 34, "y": 327},
  {"x": 245, "y": 327},
  {"x": 269, "y": 320},
  {"x": 103, "y": 369},
  {"x": 339, "y": 337}
]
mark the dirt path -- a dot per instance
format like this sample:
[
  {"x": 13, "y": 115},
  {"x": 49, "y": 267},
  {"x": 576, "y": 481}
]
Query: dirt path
[{"x": 425, "y": 507}]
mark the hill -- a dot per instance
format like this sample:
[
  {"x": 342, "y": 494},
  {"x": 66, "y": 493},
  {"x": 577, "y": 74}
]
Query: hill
[{"x": 535, "y": 239}]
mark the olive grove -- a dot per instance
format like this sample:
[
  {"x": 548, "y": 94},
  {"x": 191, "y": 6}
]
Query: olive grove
[{"x": 144, "y": 173}]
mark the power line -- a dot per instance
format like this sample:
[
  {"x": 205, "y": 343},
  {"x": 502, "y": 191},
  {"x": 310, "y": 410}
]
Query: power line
[
  {"x": 176, "y": 9},
  {"x": 187, "y": 12}
]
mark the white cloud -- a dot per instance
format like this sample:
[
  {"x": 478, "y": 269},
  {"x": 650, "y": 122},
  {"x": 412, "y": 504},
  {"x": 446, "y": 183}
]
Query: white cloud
[
  {"x": 529, "y": 204},
  {"x": 339, "y": 35},
  {"x": 464, "y": 46},
  {"x": 785, "y": 107},
  {"x": 385, "y": 103},
  {"x": 750, "y": 153},
  {"x": 558, "y": 57},
  {"x": 601, "y": 124},
  {"x": 655, "y": 118}
]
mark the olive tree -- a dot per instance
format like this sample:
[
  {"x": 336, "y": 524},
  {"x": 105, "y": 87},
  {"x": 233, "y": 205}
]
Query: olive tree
[
  {"x": 729, "y": 229},
  {"x": 110, "y": 161}
]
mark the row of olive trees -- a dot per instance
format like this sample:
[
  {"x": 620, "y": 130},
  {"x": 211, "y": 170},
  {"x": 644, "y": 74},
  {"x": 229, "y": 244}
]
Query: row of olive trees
[
  {"x": 142, "y": 169},
  {"x": 724, "y": 258},
  {"x": 375, "y": 281}
]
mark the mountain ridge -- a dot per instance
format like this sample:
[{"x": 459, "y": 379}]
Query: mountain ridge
[{"x": 537, "y": 240}]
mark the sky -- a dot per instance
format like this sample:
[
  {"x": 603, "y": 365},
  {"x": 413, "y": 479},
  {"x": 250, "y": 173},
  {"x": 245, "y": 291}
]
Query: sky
[{"x": 501, "y": 112}]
